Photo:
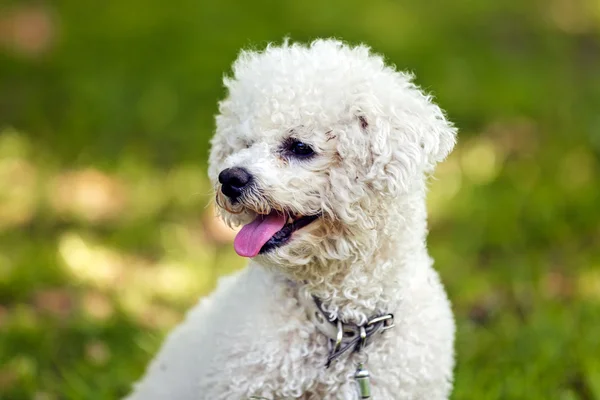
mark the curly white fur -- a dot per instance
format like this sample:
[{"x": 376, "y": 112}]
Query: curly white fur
[{"x": 376, "y": 137}]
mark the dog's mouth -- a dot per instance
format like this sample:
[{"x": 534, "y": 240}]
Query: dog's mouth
[{"x": 268, "y": 232}]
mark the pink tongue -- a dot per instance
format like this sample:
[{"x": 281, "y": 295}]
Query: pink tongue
[{"x": 253, "y": 236}]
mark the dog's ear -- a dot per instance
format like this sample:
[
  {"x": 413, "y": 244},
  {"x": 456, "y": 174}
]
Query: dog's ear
[
  {"x": 405, "y": 147},
  {"x": 437, "y": 137}
]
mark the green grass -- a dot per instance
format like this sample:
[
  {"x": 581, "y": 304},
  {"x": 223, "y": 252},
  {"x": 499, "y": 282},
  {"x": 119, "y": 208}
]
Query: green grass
[{"x": 105, "y": 237}]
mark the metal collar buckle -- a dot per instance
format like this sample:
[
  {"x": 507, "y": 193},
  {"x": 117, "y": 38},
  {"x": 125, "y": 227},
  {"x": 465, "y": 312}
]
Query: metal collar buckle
[
  {"x": 388, "y": 322},
  {"x": 357, "y": 336}
]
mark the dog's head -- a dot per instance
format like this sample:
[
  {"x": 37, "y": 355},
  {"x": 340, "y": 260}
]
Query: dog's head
[{"x": 313, "y": 148}]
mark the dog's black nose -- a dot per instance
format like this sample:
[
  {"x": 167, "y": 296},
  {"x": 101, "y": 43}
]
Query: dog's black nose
[{"x": 234, "y": 181}]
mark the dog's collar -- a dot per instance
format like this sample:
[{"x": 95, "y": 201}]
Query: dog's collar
[{"x": 343, "y": 336}]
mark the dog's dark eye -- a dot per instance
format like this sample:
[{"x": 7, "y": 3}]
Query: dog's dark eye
[{"x": 300, "y": 149}]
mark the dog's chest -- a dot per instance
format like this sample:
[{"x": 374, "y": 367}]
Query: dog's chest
[
  {"x": 287, "y": 361},
  {"x": 267, "y": 347}
]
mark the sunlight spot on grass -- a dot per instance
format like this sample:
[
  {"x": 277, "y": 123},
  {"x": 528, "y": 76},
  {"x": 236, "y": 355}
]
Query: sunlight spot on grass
[
  {"x": 136, "y": 281},
  {"x": 18, "y": 180},
  {"x": 97, "y": 352},
  {"x": 144, "y": 311},
  {"x": 176, "y": 282},
  {"x": 97, "y": 306},
  {"x": 170, "y": 281},
  {"x": 133, "y": 301},
  {"x": 13, "y": 144},
  {"x": 479, "y": 160},
  {"x": 159, "y": 317},
  {"x": 18, "y": 192},
  {"x": 445, "y": 185},
  {"x": 89, "y": 263},
  {"x": 588, "y": 284},
  {"x": 89, "y": 195}
]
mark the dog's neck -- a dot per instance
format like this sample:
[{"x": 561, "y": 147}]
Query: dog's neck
[{"x": 375, "y": 285}]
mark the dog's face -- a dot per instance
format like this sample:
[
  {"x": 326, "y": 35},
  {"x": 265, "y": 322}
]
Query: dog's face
[{"x": 313, "y": 145}]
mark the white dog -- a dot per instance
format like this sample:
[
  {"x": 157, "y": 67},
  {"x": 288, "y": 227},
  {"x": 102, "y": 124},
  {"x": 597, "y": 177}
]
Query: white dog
[{"x": 322, "y": 154}]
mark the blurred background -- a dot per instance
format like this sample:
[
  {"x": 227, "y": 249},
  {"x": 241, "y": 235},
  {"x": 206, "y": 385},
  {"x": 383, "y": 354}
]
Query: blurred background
[{"x": 107, "y": 235}]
